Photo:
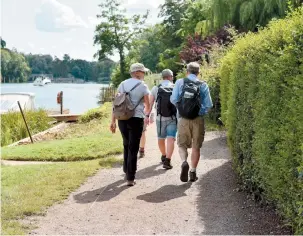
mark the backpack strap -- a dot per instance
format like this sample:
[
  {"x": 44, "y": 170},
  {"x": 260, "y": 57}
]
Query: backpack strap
[{"x": 135, "y": 86}]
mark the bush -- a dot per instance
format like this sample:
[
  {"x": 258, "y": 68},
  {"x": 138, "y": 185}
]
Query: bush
[
  {"x": 261, "y": 94},
  {"x": 96, "y": 113},
  {"x": 13, "y": 128}
]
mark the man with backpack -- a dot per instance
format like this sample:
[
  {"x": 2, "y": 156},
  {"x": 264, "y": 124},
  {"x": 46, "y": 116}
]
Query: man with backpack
[
  {"x": 192, "y": 99},
  {"x": 128, "y": 109},
  {"x": 166, "y": 120}
]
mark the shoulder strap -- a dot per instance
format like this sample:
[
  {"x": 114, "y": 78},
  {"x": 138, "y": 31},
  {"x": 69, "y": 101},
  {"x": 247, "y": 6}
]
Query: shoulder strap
[{"x": 135, "y": 86}]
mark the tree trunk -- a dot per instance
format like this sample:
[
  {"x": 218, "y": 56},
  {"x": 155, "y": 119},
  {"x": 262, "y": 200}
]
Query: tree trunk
[{"x": 122, "y": 65}]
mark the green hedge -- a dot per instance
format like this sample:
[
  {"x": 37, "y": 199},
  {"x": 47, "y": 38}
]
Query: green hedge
[
  {"x": 13, "y": 128},
  {"x": 262, "y": 107}
]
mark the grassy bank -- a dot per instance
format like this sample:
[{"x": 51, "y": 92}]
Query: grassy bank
[
  {"x": 13, "y": 128},
  {"x": 90, "y": 139},
  {"x": 29, "y": 190}
]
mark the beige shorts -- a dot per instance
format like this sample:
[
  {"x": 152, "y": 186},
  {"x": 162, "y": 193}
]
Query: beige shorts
[{"x": 191, "y": 132}]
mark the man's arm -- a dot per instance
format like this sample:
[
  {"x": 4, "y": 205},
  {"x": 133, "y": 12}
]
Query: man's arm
[
  {"x": 174, "y": 98},
  {"x": 206, "y": 99}
]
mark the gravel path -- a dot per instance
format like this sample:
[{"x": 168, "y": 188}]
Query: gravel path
[{"x": 159, "y": 203}]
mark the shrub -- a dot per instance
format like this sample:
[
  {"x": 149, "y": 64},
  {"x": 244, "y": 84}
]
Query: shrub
[
  {"x": 13, "y": 128},
  {"x": 96, "y": 113},
  {"x": 261, "y": 94}
]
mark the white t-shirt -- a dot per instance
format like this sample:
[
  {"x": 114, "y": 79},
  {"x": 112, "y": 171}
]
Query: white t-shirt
[
  {"x": 136, "y": 96},
  {"x": 154, "y": 93}
]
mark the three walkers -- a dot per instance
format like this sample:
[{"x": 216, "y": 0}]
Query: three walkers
[{"x": 179, "y": 107}]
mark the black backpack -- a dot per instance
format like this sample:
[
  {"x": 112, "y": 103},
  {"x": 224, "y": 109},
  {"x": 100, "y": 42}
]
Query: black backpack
[
  {"x": 189, "y": 103},
  {"x": 164, "y": 107}
]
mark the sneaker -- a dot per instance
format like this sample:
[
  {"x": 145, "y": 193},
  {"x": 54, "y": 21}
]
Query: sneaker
[
  {"x": 131, "y": 183},
  {"x": 141, "y": 154},
  {"x": 184, "y": 172},
  {"x": 163, "y": 158},
  {"x": 193, "y": 176},
  {"x": 166, "y": 164}
]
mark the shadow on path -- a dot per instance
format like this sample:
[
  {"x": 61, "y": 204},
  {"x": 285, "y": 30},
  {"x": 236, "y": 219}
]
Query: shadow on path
[
  {"x": 165, "y": 193},
  {"x": 210, "y": 150},
  {"x": 105, "y": 193},
  {"x": 226, "y": 211}
]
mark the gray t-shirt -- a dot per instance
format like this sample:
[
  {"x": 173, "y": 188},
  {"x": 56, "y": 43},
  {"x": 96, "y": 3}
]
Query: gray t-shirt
[
  {"x": 136, "y": 96},
  {"x": 154, "y": 93}
]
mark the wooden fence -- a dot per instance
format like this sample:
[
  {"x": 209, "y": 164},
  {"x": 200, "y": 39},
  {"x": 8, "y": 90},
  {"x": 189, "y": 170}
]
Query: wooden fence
[{"x": 107, "y": 94}]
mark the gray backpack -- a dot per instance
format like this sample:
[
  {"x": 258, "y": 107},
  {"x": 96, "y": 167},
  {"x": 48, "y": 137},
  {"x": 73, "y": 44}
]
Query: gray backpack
[{"x": 123, "y": 108}]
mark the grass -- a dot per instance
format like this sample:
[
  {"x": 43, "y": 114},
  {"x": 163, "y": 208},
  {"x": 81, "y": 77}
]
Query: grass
[
  {"x": 28, "y": 190},
  {"x": 83, "y": 141},
  {"x": 13, "y": 128}
]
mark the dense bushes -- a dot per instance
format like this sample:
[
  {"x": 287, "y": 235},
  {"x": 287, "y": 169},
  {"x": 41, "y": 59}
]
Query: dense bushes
[
  {"x": 13, "y": 128},
  {"x": 262, "y": 104}
]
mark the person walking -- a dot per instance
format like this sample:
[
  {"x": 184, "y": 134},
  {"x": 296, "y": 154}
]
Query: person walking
[
  {"x": 192, "y": 99},
  {"x": 166, "y": 120},
  {"x": 128, "y": 108}
]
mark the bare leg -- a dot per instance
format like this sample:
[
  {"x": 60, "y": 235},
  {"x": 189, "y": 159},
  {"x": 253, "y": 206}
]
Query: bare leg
[
  {"x": 170, "y": 147},
  {"x": 195, "y": 157},
  {"x": 183, "y": 153},
  {"x": 161, "y": 144},
  {"x": 143, "y": 140}
]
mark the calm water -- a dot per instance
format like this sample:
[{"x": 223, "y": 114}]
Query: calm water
[{"x": 76, "y": 97}]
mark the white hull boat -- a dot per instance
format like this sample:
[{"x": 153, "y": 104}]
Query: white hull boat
[
  {"x": 9, "y": 102},
  {"x": 41, "y": 81}
]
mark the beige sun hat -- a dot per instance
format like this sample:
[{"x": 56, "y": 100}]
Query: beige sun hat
[{"x": 138, "y": 67}]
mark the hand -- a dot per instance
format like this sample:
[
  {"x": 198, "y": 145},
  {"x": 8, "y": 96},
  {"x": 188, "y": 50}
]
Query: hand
[
  {"x": 151, "y": 118},
  {"x": 146, "y": 120},
  {"x": 113, "y": 127}
]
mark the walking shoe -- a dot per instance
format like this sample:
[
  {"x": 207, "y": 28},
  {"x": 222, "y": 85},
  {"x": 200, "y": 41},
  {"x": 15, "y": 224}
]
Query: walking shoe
[
  {"x": 184, "y": 172},
  {"x": 141, "y": 154},
  {"x": 131, "y": 183},
  {"x": 166, "y": 164},
  {"x": 193, "y": 176},
  {"x": 163, "y": 158}
]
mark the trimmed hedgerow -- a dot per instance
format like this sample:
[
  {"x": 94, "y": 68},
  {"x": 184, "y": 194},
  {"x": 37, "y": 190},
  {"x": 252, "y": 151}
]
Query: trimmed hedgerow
[{"x": 262, "y": 107}]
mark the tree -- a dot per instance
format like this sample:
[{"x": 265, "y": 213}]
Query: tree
[
  {"x": 5, "y": 59},
  {"x": 14, "y": 67},
  {"x": 76, "y": 72},
  {"x": 3, "y": 43},
  {"x": 172, "y": 11},
  {"x": 117, "y": 31},
  {"x": 248, "y": 14}
]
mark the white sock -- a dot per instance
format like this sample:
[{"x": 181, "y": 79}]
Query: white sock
[
  {"x": 183, "y": 153},
  {"x": 193, "y": 170}
]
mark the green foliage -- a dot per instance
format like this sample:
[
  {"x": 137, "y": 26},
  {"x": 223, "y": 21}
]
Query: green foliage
[
  {"x": 13, "y": 128},
  {"x": 116, "y": 31},
  {"x": 14, "y": 67},
  {"x": 210, "y": 74},
  {"x": 96, "y": 113},
  {"x": 83, "y": 141},
  {"x": 248, "y": 14},
  {"x": 3, "y": 43},
  {"x": 262, "y": 99},
  {"x": 81, "y": 69}
]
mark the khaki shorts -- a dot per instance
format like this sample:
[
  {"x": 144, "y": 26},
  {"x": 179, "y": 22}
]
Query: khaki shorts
[{"x": 191, "y": 132}]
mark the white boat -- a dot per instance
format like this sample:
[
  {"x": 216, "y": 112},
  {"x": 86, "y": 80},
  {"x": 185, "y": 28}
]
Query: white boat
[
  {"x": 40, "y": 81},
  {"x": 9, "y": 102}
]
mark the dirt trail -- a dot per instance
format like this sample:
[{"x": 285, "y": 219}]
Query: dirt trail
[{"x": 160, "y": 203}]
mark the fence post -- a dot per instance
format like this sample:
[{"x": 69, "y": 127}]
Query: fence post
[{"x": 30, "y": 136}]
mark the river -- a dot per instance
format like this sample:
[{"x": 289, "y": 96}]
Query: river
[{"x": 78, "y": 98}]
